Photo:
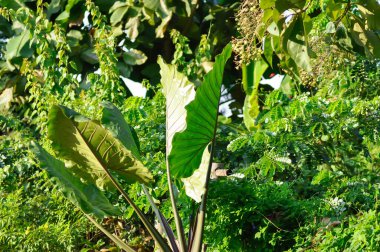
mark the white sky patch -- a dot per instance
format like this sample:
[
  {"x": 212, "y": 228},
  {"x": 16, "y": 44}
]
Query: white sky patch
[
  {"x": 274, "y": 82},
  {"x": 136, "y": 88},
  {"x": 225, "y": 100},
  {"x": 86, "y": 22},
  {"x": 288, "y": 14}
]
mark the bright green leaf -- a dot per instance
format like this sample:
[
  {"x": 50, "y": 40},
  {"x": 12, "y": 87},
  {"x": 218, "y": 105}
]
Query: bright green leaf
[
  {"x": 189, "y": 145},
  {"x": 179, "y": 92}
]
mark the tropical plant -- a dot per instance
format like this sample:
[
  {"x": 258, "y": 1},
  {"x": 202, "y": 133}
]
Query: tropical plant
[{"x": 100, "y": 154}]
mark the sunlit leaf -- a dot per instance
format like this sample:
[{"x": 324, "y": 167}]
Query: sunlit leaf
[
  {"x": 189, "y": 145},
  {"x": 134, "y": 57},
  {"x": 179, "y": 91},
  {"x": 91, "y": 148},
  {"x": 252, "y": 74}
]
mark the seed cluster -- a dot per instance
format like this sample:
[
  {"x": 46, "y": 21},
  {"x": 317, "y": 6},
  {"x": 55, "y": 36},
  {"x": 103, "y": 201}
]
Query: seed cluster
[{"x": 247, "y": 47}]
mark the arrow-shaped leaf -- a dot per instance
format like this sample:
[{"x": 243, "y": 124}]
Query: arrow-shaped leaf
[
  {"x": 91, "y": 148},
  {"x": 179, "y": 92}
]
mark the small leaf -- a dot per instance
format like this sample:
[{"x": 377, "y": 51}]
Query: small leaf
[
  {"x": 273, "y": 29},
  {"x": 117, "y": 5},
  {"x": 330, "y": 27},
  {"x": 160, "y": 30},
  {"x": 6, "y": 98},
  {"x": 118, "y": 14},
  {"x": 134, "y": 57},
  {"x": 131, "y": 28}
]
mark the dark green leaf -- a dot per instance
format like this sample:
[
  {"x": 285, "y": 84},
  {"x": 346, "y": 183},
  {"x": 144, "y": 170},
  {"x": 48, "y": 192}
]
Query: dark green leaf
[{"x": 113, "y": 120}]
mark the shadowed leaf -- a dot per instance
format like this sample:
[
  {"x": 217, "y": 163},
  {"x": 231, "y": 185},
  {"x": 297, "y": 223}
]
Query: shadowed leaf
[{"x": 87, "y": 197}]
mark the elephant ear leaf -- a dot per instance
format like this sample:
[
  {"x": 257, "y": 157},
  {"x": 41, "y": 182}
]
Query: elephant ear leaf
[
  {"x": 189, "y": 145},
  {"x": 87, "y": 197},
  {"x": 179, "y": 92},
  {"x": 91, "y": 149}
]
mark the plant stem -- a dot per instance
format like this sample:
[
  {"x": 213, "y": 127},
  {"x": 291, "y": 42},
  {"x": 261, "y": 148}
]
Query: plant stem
[
  {"x": 114, "y": 238},
  {"x": 151, "y": 229},
  {"x": 177, "y": 218},
  {"x": 163, "y": 222}
]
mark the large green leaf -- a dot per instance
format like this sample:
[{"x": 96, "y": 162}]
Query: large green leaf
[
  {"x": 295, "y": 44},
  {"x": 179, "y": 92},
  {"x": 189, "y": 145},
  {"x": 87, "y": 197},
  {"x": 91, "y": 149},
  {"x": 195, "y": 184}
]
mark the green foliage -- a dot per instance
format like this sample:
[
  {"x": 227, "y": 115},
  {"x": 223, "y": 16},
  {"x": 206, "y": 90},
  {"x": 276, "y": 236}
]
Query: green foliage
[
  {"x": 286, "y": 29},
  {"x": 34, "y": 216},
  {"x": 322, "y": 146},
  {"x": 304, "y": 174}
]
